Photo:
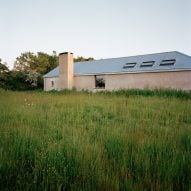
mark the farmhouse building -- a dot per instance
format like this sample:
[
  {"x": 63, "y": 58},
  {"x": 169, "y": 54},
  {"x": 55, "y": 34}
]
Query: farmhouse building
[{"x": 152, "y": 71}]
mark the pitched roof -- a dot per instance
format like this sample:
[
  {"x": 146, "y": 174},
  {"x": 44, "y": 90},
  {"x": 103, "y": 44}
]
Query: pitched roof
[{"x": 167, "y": 61}]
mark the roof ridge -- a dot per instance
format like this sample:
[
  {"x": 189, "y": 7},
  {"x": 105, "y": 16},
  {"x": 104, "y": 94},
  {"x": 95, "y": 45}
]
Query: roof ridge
[
  {"x": 133, "y": 56},
  {"x": 183, "y": 54}
]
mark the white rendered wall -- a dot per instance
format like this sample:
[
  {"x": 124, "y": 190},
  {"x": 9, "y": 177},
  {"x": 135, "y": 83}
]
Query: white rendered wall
[{"x": 48, "y": 84}]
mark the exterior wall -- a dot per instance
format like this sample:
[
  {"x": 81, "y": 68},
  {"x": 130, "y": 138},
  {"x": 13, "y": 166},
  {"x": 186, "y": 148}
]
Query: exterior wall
[
  {"x": 84, "y": 82},
  {"x": 66, "y": 71},
  {"x": 48, "y": 84},
  {"x": 172, "y": 80}
]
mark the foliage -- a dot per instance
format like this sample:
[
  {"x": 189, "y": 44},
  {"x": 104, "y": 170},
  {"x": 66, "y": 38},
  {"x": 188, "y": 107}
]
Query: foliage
[
  {"x": 32, "y": 78},
  {"x": 16, "y": 80},
  {"x": 100, "y": 82},
  {"x": 25, "y": 62},
  {"x": 3, "y": 74},
  {"x": 40, "y": 62},
  {"x": 29, "y": 69},
  {"x": 81, "y": 59},
  {"x": 169, "y": 93},
  {"x": 94, "y": 141},
  {"x": 3, "y": 67}
]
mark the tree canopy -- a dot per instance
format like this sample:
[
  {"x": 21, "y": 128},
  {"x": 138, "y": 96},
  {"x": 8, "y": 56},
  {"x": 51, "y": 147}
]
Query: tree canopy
[
  {"x": 3, "y": 67},
  {"x": 3, "y": 73},
  {"x": 29, "y": 69},
  {"x": 81, "y": 59},
  {"x": 40, "y": 62}
]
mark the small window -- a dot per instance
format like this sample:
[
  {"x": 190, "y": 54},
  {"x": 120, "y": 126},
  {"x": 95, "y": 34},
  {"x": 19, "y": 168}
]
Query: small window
[
  {"x": 147, "y": 64},
  {"x": 52, "y": 83},
  {"x": 100, "y": 82},
  {"x": 130, "y": 65},
  {"x": 167, "y": 62}
]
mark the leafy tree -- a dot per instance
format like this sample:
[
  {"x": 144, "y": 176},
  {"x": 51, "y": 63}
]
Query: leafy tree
[
  {"x": 3, "y": 74},
  {"x": 29, "y": 69},
  {"x": 34, "y": 66},
  {"x": 46, "y": 62},
  {"x": 81, "y": 59},
  {"x": 32, "y": 78},
  {"x": 40, "y": 62},
  {"x": 17, "y": 80},
  {"x": 3, "y": 67},
  {"x": 25, "y": 62},
  {"x": 53, "y": 61}
]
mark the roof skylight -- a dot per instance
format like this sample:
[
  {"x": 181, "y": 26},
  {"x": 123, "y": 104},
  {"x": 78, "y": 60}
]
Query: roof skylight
[
  {"x": 168, "y": 62},
  {"x": 130, "y": 65},
  {"x": 147, "y": 64}
]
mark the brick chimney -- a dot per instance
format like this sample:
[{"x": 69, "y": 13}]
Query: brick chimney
[{"x": 66, "y": 72}]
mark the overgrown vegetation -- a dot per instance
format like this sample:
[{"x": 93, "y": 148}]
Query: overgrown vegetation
[
  {"x": 168, "y": 93},
  {"x": 126, "y": 140}
]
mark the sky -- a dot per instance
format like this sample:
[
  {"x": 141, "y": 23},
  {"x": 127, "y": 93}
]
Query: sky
[{"x": 96, "y": 28}]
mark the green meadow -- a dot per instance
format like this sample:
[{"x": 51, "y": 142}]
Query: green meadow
[{"x": 107, "y": 141}]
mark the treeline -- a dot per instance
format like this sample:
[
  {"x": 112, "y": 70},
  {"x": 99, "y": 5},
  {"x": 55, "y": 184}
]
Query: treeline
[{"x": 28, "y": 70}]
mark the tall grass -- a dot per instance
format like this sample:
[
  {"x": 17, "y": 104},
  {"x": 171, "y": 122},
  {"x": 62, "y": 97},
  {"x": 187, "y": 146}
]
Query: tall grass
[
  {"x": 95, "y": 141},
  {"x": 170, "y": 93}
]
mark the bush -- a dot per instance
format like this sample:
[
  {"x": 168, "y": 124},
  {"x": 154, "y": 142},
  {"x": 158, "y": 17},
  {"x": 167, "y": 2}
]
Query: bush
[{"x": 15, "y": 80}]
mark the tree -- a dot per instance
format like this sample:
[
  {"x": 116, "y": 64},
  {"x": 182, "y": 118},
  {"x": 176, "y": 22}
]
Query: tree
[
  {"x": 81, "y": 59},
  {"x": 35, "y": 66},
  {"x": 3, "y": 67},
  {"x": 29, "y": 69},
  {"x": 3, "y": 74},
  {"x": 32, "y": 78},
  {"x": 45, "y": 62},
  {"x": 53, "y": 60},
  {"x": 40, "y": 62},
  {"x": 25, "y": 62}
]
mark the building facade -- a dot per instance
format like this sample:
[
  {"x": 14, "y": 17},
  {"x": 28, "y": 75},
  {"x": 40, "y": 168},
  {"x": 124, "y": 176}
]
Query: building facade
[{"x": 169, "y": 70}]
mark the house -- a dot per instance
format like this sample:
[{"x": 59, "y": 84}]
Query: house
[{"x": 162, "y": 70}]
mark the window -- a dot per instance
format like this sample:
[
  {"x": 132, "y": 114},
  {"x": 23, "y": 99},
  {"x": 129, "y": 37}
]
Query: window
[
  {"x": 100, "y": 82},
  {"x": 130, "y": 65},
  {"x": 52, "y": 83},
  {"x": 147, "y": 64},
  {"x": 167, "y": 62}
]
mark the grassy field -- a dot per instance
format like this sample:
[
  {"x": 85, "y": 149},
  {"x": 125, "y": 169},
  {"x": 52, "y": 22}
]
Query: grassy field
[{"x": 128, "y": 140}]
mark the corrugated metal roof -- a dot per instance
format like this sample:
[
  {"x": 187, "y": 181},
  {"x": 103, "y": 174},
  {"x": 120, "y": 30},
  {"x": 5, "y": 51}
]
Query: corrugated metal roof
[
  {"x": 52, "y": 73},
  {"x": 116, "y": 65}
]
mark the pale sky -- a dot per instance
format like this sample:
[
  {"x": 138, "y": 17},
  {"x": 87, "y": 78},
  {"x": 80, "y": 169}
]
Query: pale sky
[{"x": 97, "y": 28}]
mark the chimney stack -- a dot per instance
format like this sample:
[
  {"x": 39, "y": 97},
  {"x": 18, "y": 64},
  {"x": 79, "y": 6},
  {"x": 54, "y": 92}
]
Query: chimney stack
[{"x": 66, "y": 71}]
